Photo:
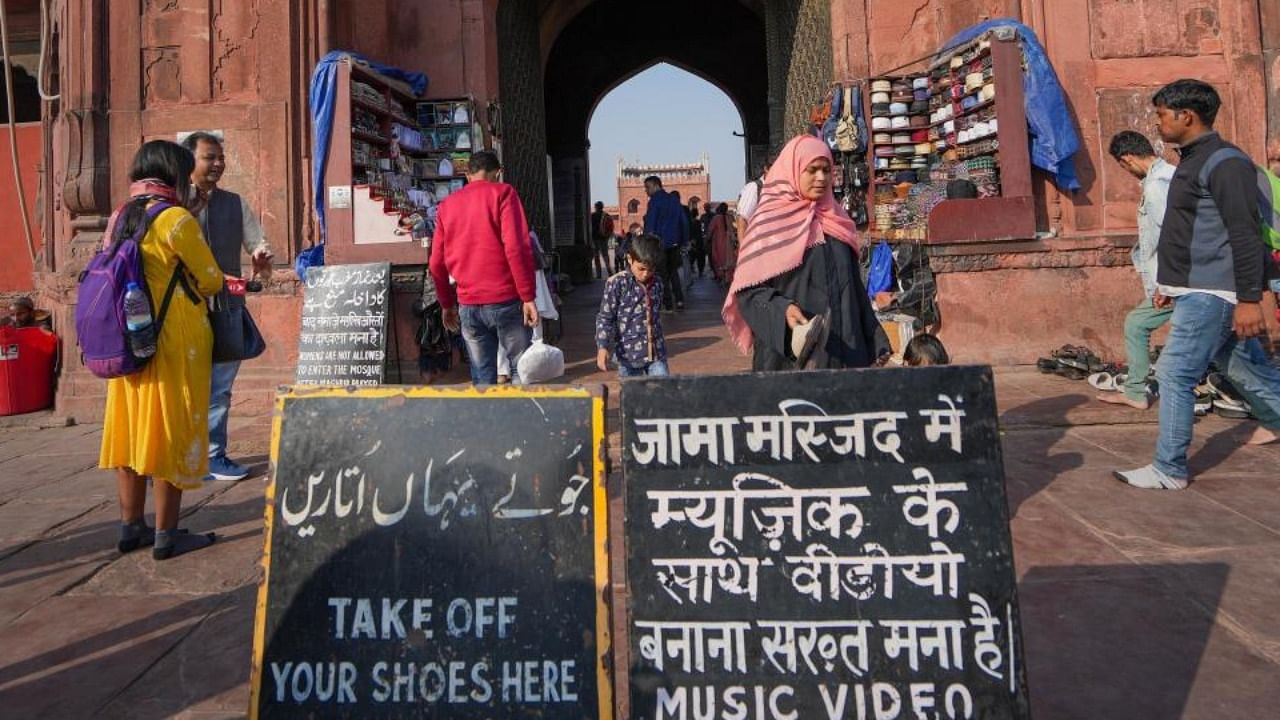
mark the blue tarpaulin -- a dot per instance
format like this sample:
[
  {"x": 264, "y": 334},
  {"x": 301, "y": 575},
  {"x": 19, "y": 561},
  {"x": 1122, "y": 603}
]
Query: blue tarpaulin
[
  {"x": 1054, "y": 141},
  {"x": 323, "y": 89}
]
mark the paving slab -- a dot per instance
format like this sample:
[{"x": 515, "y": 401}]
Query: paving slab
[
  {"x": 208, "y": 672},
  {"x": 71, "y": 655},
  {"x": 1129, "y": 647}
]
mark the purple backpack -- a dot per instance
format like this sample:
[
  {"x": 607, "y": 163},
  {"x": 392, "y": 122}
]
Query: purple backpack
[{"x": 100, "y": 318}]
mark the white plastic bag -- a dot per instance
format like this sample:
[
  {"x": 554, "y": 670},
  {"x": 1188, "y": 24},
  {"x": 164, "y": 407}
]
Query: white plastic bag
[{"x": 541, "y": 362}]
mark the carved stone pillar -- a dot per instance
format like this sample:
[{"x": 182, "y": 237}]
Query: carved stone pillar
[{"x": 524, "y": 110}]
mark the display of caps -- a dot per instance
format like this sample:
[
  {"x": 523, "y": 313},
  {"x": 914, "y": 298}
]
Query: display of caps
[
  {"x": 988, "y": 92},
  {"x": 901, "y": 86},
  {"x": 995, "y": 125},
  {"x": 924, "y": 148},
  {"x": 884, "y": 151},
  {"x": 984, "y": 44},
  {"x": 919, "y": 136},
  {"x": 957, "y": 62},
  {"x": 881, "y": 86},
  {"x": 905, "y": 176},
  {"x": 879, "y": 109},
  {"x": 936, "y": 117},
  {"x": 880, "y": 123},
  {"x": 920, "y": 83},
  {"x": 957, "y": 91},
  {"x": 879, "y": 97},
  {"x": 901, "y": 121},
  {"x": 933, "y": 133},
  {"x": 972, "y": 81},
  {"x": 979, "y": 130},
  {"x": 902, "y": 97},
  {"x": 881, "y": 138},
  {"x": 901, "y": 138},
  {"x": 919, "y": 121},
  {"x": 949, "y": 127},
  {"x": 921, "y": 93},
  {"x": 940, "y": 144},
  {"x": 905, "y": 151},
  {"x": 920, "y": 107},
  {"x": 899, "y": 108},
  {"x": 968, "y": 102},
  {"x": 963, "y": 137},
  {"x": 882, "y": 163}
]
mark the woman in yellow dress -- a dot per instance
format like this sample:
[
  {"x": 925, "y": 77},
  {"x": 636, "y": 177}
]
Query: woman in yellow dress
[{"x": 156, "y": 424}]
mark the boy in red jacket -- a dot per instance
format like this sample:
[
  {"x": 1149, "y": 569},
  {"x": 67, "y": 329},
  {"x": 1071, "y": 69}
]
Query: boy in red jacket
[{"x": 482, "y": 242}]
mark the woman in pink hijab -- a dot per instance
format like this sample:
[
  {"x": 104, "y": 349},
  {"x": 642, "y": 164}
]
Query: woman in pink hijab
[{"x": 797, "y": 299}]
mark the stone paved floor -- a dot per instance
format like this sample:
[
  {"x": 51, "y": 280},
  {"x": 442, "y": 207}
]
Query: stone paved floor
[{"x": 1135, "y": 604}]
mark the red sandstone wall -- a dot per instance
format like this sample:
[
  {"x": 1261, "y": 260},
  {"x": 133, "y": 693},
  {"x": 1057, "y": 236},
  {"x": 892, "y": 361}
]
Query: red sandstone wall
[
  {"x": 629, "y": 190},
  {"x": 1110, "y": 57},
  {"x": 15, "y": 271}
]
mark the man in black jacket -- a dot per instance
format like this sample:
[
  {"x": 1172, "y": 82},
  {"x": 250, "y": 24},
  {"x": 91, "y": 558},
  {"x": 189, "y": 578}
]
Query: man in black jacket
[{"x": 1212, "y": 264}]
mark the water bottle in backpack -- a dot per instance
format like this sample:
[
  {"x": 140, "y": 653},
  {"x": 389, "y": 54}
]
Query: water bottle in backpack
[{"x": 137, "y": 314}]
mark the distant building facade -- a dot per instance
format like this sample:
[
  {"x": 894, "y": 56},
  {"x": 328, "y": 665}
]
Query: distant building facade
[{"x": 692, "y": 180}]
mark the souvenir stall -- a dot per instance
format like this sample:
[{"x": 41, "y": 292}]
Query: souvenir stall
[
  {"x": 403, "y": 156},
  {"x": 942, "y": 156}
]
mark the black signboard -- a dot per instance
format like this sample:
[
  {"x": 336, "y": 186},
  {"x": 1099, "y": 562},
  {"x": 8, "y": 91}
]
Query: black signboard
[
  {"x": 435, "y": 554},
  {"x": 819, "y": 545},
  {"x": 344, "y": 322}
]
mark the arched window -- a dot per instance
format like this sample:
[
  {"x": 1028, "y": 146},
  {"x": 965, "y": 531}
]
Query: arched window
[{"x": 633, "y": 207}]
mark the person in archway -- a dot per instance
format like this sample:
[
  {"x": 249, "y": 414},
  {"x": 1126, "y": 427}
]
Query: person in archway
[
  {"x": 797, "y": 299},
  {"x": 666, "y": 218},
  {"x": 482, "y": 242},
  {"x": 749, "y": 197},
  {"x": 601, "y": 233},
  {"x": 720, "y": 239},
  {"x": 697, "y": 240}
]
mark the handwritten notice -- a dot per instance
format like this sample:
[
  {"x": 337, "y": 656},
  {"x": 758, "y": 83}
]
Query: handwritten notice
[
  {"x": 823, "y": 545},
  {"x": 344, "y": 322},
  {"x": 435, "y": 553}
]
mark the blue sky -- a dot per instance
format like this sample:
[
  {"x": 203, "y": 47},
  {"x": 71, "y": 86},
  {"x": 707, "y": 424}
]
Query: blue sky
[{"x": 629, "y": 123}]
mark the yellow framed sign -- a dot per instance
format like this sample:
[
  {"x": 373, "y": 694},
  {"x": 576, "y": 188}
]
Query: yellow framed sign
[{"x": 435, "y": 553}]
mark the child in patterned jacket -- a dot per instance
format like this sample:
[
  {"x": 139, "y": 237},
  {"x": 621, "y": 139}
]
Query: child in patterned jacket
[{"x": 628, "y": 327}]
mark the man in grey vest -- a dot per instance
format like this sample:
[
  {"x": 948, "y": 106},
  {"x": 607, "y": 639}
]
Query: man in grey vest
[{"x": 229, "y": 227}]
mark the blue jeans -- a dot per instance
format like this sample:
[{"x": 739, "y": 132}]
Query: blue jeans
[
  {"x": 224, "y": 376},
  {"x": 1200, "y": 333},
  {"x": 482, "y": 327},
  {"x": 657, "y": 368}
]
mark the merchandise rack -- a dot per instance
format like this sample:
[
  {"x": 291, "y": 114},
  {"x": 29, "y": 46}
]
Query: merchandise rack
[
  {"x": 1011, "y": 214},
  {"x": 366, "y": 229}
]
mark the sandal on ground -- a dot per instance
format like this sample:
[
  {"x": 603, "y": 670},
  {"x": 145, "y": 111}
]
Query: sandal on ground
[
  {"x": 1104, "y": 381},
  {"x": 1047, "y": 365},
  {"x": 180, "y": 542}
]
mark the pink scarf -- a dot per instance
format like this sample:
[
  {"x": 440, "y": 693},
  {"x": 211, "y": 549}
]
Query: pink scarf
[
  {"x": 150, "y": 188},
  {"x": 785, "y": 224}
]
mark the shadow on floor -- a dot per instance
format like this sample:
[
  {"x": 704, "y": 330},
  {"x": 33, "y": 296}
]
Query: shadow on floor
[
  {"x": 1122, "y": 645},
  {"x": 1030, "y": 461}
]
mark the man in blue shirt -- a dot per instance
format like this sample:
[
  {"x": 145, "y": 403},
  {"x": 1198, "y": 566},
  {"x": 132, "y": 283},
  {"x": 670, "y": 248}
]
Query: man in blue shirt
[{"x": 667, "y": 219}]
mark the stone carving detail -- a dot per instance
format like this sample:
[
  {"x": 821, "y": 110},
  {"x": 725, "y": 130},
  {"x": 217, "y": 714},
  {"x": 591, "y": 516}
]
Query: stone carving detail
[
  {"x": 87, "y": 188},
  {"x": 161, "y": 75},
  {"x": 520, "y": 85},
  {"x": 235, "y": 27},
  {"x": 798, "y": 34}
]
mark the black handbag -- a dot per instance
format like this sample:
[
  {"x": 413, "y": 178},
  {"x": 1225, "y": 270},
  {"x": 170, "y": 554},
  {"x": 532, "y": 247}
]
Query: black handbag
[{"x": 235, "y": 334}]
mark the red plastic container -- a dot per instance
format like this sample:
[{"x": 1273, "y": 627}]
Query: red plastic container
[{"x": 26, "y": 369}]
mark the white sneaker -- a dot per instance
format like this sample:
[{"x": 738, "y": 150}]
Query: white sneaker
[{"x": 1149, "y": 477}]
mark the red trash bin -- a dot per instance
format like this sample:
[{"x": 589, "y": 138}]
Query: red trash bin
[{"x": 27, "y": 358}]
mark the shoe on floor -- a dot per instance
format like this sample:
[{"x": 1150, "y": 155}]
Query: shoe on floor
[
  {"x": 1222, "y": 387},
  {"x": 1203, "y": 401},
  {"x": 1149, "y": 477},
  {"x": 222, "y": 468}
]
